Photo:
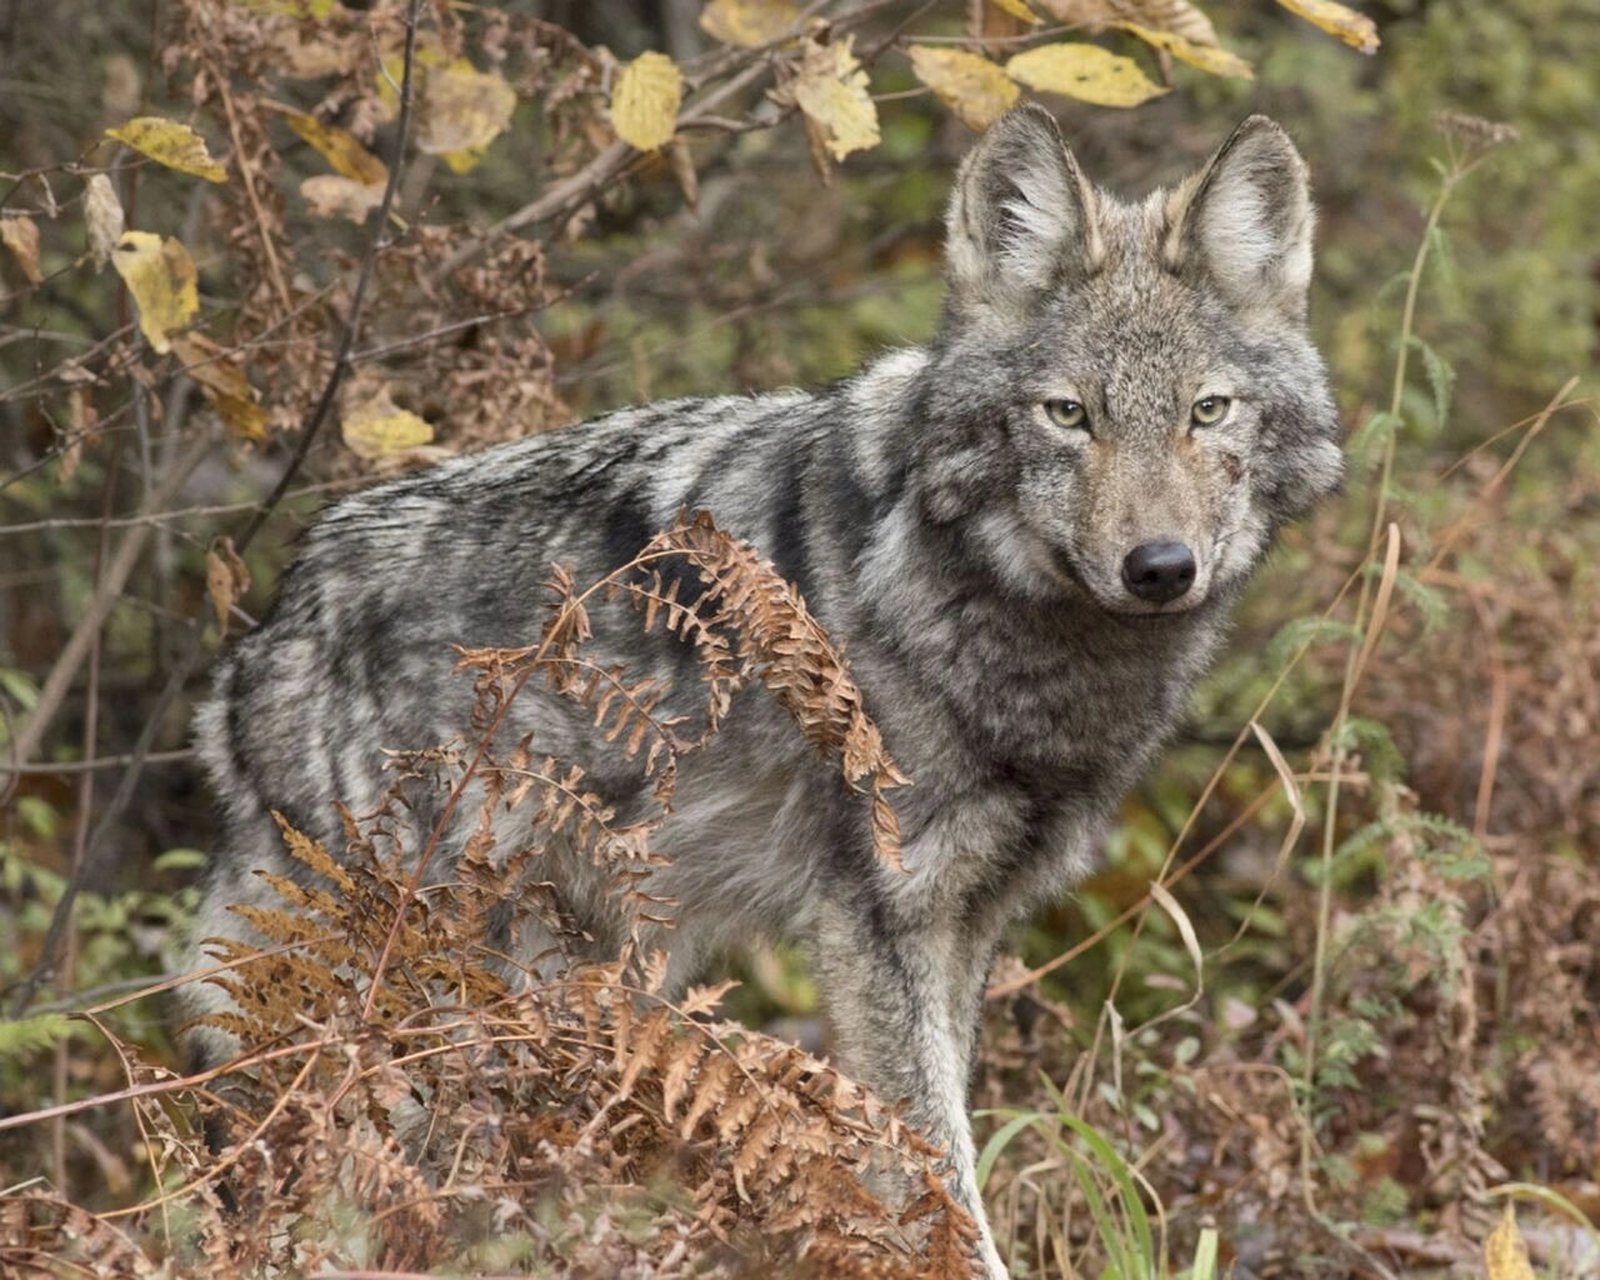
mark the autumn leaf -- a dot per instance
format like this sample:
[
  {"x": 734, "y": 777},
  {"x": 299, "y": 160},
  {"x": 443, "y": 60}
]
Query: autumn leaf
[
  {"x": 332, "y": 196},
  {"x": 226, "y": 580},
  {"x": 832, "y": 90},
  {"x": 378, "y": 428},
  {"x": 162, "y": 278},
  {"x": 749, "y": 23},
  {"x": 1017, "y": 9},
  {"x": 1086, "y": 72},
  {"x": 1178, "y": 17},
  {"x": 1505, "y": 1253},
  {"x": 1355, "y": 29},
  {"x": 167, "y": 142},
  {"x": 977, "y": 90},
  {"x": 102, "y": 212},
  {"x": 1207, "y": 57},
  {"x": 20, "y": 234},
  {"x": 645, "y": 101},
  {"x": 463, "y": 111},
  {"x": 344, "y": 154},
  {"x": 221, "y": 379}
]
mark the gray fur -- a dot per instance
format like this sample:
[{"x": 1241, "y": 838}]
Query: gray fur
[{"x": 964, "y": 549}]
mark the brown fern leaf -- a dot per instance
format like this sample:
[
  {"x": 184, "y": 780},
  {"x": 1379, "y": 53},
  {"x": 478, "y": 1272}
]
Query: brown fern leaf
[{"x": 788, "y": 651}]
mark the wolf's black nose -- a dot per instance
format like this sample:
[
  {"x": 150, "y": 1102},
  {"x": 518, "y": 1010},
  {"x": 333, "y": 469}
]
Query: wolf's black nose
[{"x": 1159, "y": 571}]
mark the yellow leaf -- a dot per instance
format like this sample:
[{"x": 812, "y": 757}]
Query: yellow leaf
[
  {"x": 291, "y": 8},
  {"x": 832, "y": 91},
  {"x": 749, "y": 23},
  {"x": 1086, "y": 72},
  {"x": 226, "y": 580},
  {"x": 645, "y": 100},
  {"x": 1213, "y": 58},
  {"x": 1505, "y": 1253},
  {"x": 1355, "y": 29},
  {"x": 1016, "y": 9},
  {"x": 379, "y": 427},
  {"x": 463, "y": 111},
  {"x": 175, "y": 145},
  {"x": 331, "y": 196},
  {"x": 102, "y": 212},
  {"x": 222, "y": 381},
  {"x": 1178, "y": 17},
  {"x": 340, "y": 149},
  {"x": 973, "y": 87},
  {"x": 20, "y": 234},
  {"x": 161, "y": 276}
]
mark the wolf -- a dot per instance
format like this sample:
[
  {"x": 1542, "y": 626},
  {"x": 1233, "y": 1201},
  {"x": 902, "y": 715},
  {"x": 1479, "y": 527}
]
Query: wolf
[{"x": 1027, "y": 537}]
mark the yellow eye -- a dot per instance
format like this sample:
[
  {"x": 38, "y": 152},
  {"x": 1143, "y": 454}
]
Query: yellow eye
[
  {"x": 1067, "y": 413},
  {"x": 1207, "y": 411}
]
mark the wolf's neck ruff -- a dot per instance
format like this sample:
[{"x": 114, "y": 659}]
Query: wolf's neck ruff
[{"x": 1026, "y": 539}]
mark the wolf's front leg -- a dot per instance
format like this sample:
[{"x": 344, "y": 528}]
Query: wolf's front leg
[{"x": 905, "y": 1001}]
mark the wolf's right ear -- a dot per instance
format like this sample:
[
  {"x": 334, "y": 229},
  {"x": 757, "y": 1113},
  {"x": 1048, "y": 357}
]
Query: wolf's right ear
[{"x": 1021, "y": 217}]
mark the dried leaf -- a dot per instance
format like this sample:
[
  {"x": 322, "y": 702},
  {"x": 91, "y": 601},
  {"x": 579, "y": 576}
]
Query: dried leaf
[
  {"x": 1177, "y": 17},
  {"x": 344, "y": 154},
  {"x": 1355, "y": 29},
  {"x": 1017, "y": 9},
  {"x": 832, "y": 91},
  {"x": 333, "y": 196},
  {"x": 1086, "y": 72},
  {"x": 175, "y": 145},
  {"x": 977, "y": 90},
  {"x": 102, "y": 211},
  {"x": 749, "y": 23},
  {"x": 378, "y": 428},
  {"x": 683, "y": 170},
  {"x": 226, "y": 580},
  {"x": 463, "y": 111},
  {"x": 222, "y": 381},
  {"x": 645, "y": 101},
  {"x": 1505, "y": 1252},
  {"x": 1207, "y": 57},
  {"x": 162, "y": 278},
  {"x": 20, "y": 234}
]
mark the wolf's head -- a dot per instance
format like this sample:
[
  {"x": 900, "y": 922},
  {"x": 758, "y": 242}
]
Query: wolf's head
[{"x": 1123, "y": 401}]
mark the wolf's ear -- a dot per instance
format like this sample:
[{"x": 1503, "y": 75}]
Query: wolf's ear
[
  {"x": 1245, "y": 221},
  {"x": 1021, "y": 216}
]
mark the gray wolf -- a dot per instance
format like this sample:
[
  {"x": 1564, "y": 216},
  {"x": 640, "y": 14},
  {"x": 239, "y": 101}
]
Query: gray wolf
[{"x": 1026, "y": 537}]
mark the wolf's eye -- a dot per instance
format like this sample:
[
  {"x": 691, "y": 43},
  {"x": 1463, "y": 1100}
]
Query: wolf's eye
[
  {"x": 1207, "y": 411},
  {"x": 1067, "y": 413}
]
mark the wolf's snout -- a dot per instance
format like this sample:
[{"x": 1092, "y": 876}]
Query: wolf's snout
[{"x": 1159, "y": 571}]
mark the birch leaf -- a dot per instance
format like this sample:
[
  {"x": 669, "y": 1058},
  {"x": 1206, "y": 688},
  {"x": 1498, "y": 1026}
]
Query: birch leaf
[
  {"x": 20, "y": 234},
  {"x": 1207, "y": 57},
  {"x": 1017, "y": 9},
  {"x": 977, "y": 90},
  {"x": 226, "y": 580},
  {"x": 167, "y": 142},
  {"x": 749, "y": 24},
  {"x": 162, "y": 278},
  {"x": 333, "y": 196},
  {"x": 1355, "y": 29},
  {"x": 221, "y": 379},
  {"x": 1086, "y": 72},
  {"x": 645, "y": 101},
  {"x": 102, "y": 212},
  {"x": 832, "y": 91},
  {"x": 1505, "y": 1253},
  {"x": 379, "y": 427},
  {"x": 464, "y": 110},
  {"x": 345, "y": 155}
]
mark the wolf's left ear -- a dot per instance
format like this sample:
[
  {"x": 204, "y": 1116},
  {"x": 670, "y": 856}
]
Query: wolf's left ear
[
  {"x": 1021, "y": 217},
  {"x": 1245, "y": 221}
]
